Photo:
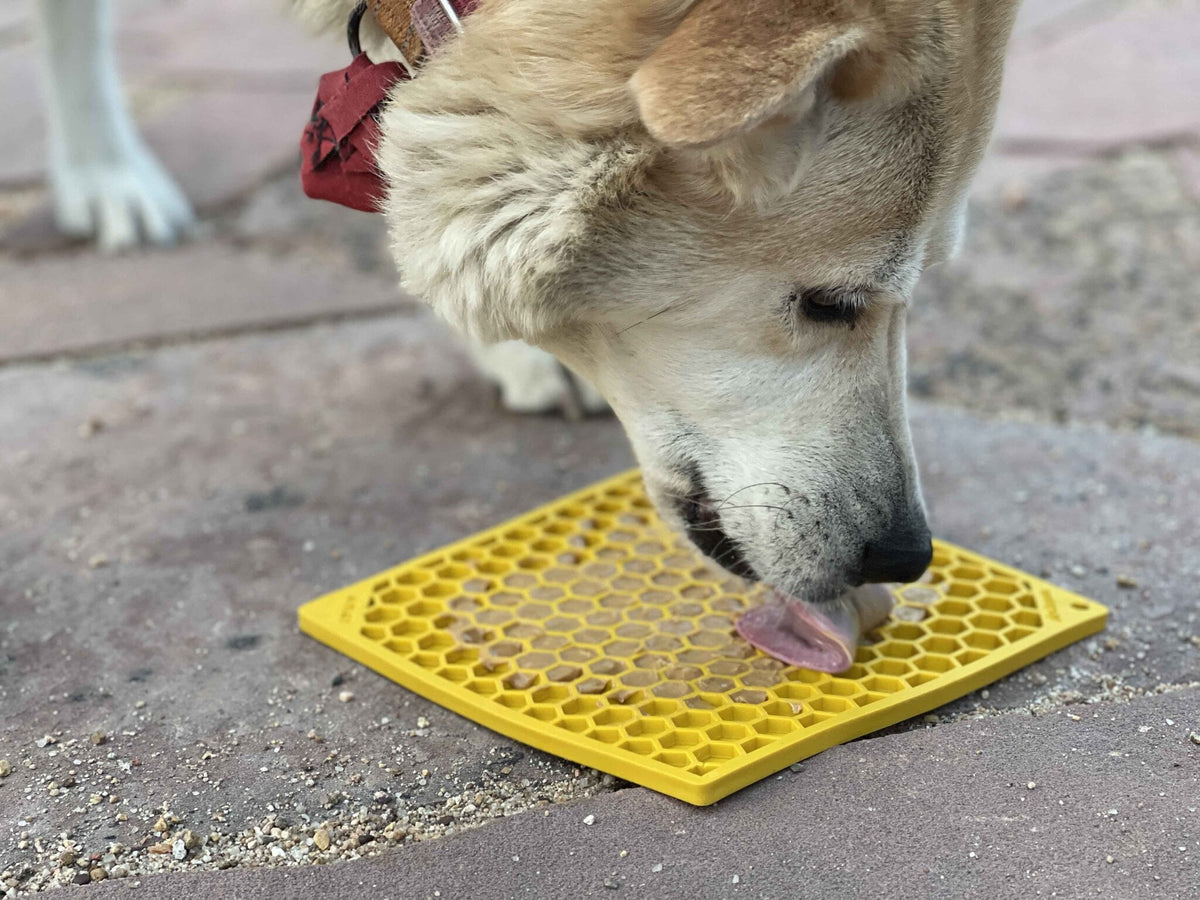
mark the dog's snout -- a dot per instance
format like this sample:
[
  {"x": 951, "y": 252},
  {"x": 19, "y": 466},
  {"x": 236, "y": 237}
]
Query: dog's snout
[
  {"x": 703, "y": 524},
  {"x": 902, "y": 554}
]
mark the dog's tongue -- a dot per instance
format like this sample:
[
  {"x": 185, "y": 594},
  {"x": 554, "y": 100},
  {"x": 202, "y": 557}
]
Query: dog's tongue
[{"x": 823, "y": 637}]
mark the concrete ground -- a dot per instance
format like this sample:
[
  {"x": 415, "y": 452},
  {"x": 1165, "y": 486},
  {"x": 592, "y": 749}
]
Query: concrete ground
[{"x": 180, "y": 469}]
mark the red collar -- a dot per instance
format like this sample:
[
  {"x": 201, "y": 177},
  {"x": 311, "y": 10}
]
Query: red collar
[{"x": 340, "y": 139}]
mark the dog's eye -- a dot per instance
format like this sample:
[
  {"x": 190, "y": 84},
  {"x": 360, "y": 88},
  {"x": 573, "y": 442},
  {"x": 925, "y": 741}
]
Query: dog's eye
[{"x": 840, "y": 306}]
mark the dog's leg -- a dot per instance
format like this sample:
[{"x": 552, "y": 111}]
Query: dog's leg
[
  {"x": 533, "y": 381},
  {"x": 106, "y": 181}
]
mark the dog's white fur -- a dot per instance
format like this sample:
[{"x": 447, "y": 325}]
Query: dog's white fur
[
  {"x": 647, "y": 189},
  {"x": 105, "y": 181}
]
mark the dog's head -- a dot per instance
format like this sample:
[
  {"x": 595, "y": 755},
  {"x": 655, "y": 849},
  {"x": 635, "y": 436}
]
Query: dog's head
[{"x": 717, "y": 211}]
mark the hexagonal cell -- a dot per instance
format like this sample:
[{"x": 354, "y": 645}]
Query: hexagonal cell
[
  {"x": 683, "y": 672},
  {"x": 651, "y": 661},
  {"x": 672, "y": 689},
  {"x": 687, "y": 610},
  {"x": 427, "y": 660},
  {"x": 644, "y": 614},
  {"x": 740, "y": 713},
  {"x": 674, "y": 758},
  {"x": 953, "y": 608},
  {"x": 457, "y": 674},
  {"x": 537, "y": 660},
  {"x": 578, "y": 724},
  {"x": 967, "y": 573},
  {"x": 715, "y": 684},
  {"x": 712, "y": 639},
  {"x": 461, "y": 655},
  {"x": 895, "y": 650},
  {"x": 916, "y": 679},
  {"x": 565, "y": 673},
  {"x": 492, "y": 667},
  {"x": 679, "y": 739},
  {"x": 632, "y": 631},
  {"x": 933, "y": 662},
  {"x": 729, "y": 731},
  {"x": 641, "y": 678},
  {"x": 507, "y": 599},
  {"x": 647, "y": 727},
  {"x": 373, "y": 632},
  {"x": 996, "y": 604},
  {"x": 965, "y": 590},
  {"x": 627, "y": 695},
  {"x": 697, "y": 656},
  {"x": 558, "y": 623},
  {"x": 883, "y": 684},
  {"x": 607, "y": 617},
  {"x": 832, "y": 704},
  {"x": 717, "y": 752},
  {"x": 905, "y": 631},
  {"x": 522, "y": 631},
  {"x": 436, "y": 641},
  {"x": 640, "y": 747},
  {"x": 423, "y": 609},
  {"x": 782, "y": 708},
  {"x": 582, "y": 706},
  {"x": 1001, "y": 586},
  {"x": 842, "y": 687},
  {"x": 512, "y": 700},
  {"x": 1016, "y": 633},
  {"x": 399, "y": 645},
  {"x": 782, "y": 724},
  {"x": 382, "y": 615},
  {"x": 413, "y": 577},
  {"x": 906, "y": 613},
  {"x": 438, "y": 589},
  {"x": 607, "y": 666},
  {"x": 694, "y": 718},
  {"x": 798, "y": 690},
  {"x": 891, "y": 667},
  {"x": 1026, "y": 618},
  {"x": 941, "y": 644},
  {"x": 747, "y": 695},
  {"x": 921, "y": 596},
  {"x": 988, "y": 622},
  {"x": 543, "y": 713},
  {"x": 589, "y": 588},
  {"x": 593, "y": 685},
  {"x": 969, "y": 656},
  {"x": 943, "y": 625},
  {"x": 730, "y": 667},
  {"x": 982, "y": 640},
  {"x": 591, "y": 636},
  {"x": 762, "y": 678}
]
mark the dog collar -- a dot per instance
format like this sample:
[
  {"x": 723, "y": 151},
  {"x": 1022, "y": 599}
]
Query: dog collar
[{"x": 340, "y": 140}]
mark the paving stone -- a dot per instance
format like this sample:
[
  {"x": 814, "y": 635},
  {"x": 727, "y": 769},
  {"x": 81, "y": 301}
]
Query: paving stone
[
  {"x": 82, "y": 302},
  {"x": 1131, "y": 77},
  {"x": 1009, "y": 807},
  {"x": 227, "y": 482}
]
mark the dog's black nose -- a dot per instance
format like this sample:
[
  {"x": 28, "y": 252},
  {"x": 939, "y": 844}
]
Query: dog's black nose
[{"x": 903, "y": 555}]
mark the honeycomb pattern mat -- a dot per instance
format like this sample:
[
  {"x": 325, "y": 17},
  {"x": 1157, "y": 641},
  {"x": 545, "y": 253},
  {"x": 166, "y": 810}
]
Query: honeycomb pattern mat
[{"x": 588, "y": 630}]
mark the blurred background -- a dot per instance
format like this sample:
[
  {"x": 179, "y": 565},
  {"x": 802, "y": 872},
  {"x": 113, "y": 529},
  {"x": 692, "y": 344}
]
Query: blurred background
[{"x": 194, "y": 441}]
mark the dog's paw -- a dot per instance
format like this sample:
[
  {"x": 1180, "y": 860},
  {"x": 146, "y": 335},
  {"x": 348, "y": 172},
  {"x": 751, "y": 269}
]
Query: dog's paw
[
  {"x": 533, "y": 381},
  {"x": 121, "y": 203}
]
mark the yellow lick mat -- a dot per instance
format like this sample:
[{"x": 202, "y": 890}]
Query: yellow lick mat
[{"x": 588, "y": 630}]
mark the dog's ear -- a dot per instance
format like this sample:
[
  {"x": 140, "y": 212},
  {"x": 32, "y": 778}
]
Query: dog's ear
[{"x": 732, "y": 65}]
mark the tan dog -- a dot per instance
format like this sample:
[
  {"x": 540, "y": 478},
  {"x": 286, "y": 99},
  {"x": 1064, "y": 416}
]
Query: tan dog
[{"x": 716, "y": 211}]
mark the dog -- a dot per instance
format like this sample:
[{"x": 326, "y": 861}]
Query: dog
[
  {"x": 106, "y": 183},
  {"x": 716, "y": 212}
]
